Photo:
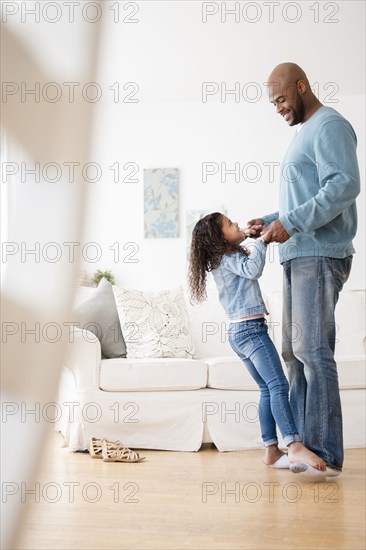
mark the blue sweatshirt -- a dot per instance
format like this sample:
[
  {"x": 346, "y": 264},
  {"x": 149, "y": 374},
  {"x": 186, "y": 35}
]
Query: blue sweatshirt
[{"x": 319, "y": 183}]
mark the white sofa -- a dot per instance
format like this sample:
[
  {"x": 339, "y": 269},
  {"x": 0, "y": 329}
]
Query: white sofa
[{"x": 178, "y": 404}]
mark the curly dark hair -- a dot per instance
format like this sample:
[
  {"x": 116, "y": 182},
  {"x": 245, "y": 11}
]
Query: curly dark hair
[{"x": 208, "y": 246}]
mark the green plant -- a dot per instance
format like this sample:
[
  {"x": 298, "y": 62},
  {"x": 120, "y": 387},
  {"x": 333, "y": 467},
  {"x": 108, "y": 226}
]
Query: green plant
[{"x": 98, "y": 275}]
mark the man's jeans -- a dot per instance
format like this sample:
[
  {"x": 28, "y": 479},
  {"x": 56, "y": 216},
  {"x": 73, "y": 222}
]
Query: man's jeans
[
  {"x": 310, "y": 293},
  {"x": 251, "y": 342}
]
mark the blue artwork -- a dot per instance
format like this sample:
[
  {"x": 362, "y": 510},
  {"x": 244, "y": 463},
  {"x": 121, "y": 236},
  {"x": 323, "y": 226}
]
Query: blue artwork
[{"x": 161, "y": 202}]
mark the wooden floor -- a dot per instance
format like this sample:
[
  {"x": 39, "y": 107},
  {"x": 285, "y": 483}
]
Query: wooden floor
[{"x": 198, "y": 500}]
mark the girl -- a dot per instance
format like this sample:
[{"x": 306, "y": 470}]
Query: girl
[{"x": 216, "y": 247}]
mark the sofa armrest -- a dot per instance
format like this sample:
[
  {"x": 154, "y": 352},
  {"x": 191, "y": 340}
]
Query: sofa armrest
[{"x": 83, "y": 358}]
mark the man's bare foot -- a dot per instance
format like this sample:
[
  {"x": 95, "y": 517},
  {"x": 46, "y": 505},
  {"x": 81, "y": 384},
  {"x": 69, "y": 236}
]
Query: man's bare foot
[
  {"x": 273, "y": 453},
  {"x": 297, "y": 452},
  {"x": 308, "y": 473}
]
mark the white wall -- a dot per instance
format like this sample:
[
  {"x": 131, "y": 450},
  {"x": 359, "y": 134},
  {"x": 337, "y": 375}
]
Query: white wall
[{"x": 169, "y": 53}]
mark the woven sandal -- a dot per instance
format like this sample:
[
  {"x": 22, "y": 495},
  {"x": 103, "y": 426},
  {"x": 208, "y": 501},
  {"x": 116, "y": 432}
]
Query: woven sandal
[
  {"x": 120, "y": 455},
  {"x": 95, "y": 447}
]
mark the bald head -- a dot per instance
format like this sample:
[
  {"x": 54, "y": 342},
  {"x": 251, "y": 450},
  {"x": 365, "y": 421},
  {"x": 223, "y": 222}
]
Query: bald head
[
  {"x": 288, "y": 73},
  {"x": 289, "y": 90}
]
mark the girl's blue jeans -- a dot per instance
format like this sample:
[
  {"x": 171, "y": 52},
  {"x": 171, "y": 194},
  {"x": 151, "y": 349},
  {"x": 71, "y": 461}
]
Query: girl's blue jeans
[{"x": 251, "y": 342}]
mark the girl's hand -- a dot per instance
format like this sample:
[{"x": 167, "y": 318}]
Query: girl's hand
[
  {"x": 253, "y": 231},
  {"x": 254, "y": 228},
  {"x": 266, "y": 236}
]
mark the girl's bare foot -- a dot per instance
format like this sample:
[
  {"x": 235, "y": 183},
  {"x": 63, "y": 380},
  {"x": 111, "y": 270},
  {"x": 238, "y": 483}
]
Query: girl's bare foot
[
  {"x": 273, "y": 453},
  {"x": 297, "y": 452}
]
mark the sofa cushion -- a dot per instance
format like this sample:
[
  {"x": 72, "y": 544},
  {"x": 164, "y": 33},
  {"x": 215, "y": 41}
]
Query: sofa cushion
[
  {"x": 350, "y": 324},
  {"x": 152, "y": 374},
  {"x": 229, "y": 373},
  {"x": 98, "y": 314},
  {"x": 154, "y": 323},
  {"x": 351, "y": 373}
]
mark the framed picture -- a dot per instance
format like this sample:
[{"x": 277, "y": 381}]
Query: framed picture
[{"x": 161, "y": 214}]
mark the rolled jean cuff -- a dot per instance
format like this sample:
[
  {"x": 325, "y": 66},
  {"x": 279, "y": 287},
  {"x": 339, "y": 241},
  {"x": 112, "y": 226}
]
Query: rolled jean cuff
[
  {"x": 269, "y": 442},
  {"x": 291, "y": 439}
]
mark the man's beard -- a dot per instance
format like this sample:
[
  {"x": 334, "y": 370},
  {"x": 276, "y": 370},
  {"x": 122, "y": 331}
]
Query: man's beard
[{"x": 298, "y": 111}]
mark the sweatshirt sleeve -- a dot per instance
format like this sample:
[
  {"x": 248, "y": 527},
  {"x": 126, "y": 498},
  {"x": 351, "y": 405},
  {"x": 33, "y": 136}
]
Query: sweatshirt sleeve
[
  {"x": 338, "y": 175},
  {"x": 269, "y": 218},
  {"x": 250, "y": 266}
]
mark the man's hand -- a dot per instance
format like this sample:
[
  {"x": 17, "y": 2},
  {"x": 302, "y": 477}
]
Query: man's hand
[
  {"x": 275, "y": 233},
  {"x": 254, "y": 228}
]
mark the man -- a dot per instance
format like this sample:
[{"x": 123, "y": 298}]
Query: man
[{"x": 316, "y": 223}]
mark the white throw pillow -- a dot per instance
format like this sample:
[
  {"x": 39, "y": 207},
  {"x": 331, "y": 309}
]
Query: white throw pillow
[{"x": 154, "y": 323}]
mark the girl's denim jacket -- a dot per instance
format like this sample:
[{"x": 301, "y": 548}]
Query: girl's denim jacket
[{"x": 236, "y": 281}]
